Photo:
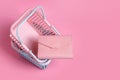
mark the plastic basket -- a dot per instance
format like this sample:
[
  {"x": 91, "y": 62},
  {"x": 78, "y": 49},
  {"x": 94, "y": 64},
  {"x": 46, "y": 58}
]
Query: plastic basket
[{"x": 25, "y": 33}]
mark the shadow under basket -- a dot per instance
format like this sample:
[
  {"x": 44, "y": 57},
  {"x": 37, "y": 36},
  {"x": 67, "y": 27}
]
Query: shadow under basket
[{"x": 25, "y": 33}]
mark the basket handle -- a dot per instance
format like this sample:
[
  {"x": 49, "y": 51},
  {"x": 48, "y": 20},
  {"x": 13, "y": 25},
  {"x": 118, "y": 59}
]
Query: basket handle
[
  {"x": 27, "y": 17},
  {"x": 20, "y": 25}
]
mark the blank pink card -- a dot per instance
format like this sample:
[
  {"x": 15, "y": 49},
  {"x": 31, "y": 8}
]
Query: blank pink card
[{"x": 55, "y": 47}]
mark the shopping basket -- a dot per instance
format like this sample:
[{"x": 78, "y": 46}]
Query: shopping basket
[{"x": 25, "y": 33}]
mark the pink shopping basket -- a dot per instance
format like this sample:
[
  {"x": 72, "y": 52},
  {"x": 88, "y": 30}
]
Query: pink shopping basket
[{"x": 25, "y": 32}]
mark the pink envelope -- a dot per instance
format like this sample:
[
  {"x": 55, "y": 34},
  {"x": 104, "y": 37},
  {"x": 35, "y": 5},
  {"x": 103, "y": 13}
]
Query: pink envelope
[{"x": 55, "y": 47}]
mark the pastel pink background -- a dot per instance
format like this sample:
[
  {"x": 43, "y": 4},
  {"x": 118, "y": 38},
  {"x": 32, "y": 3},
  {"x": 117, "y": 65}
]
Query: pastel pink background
[{"x": 95, "y": 27}]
